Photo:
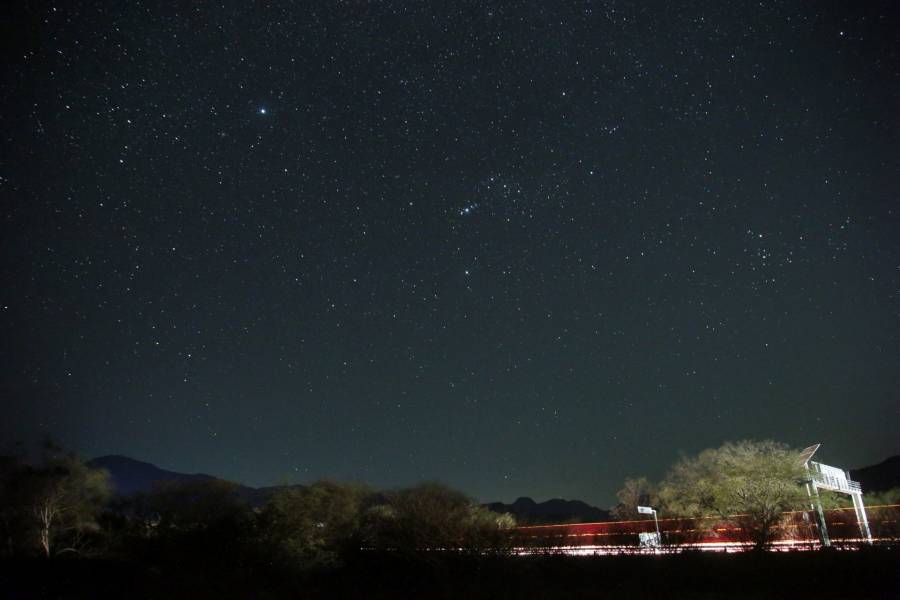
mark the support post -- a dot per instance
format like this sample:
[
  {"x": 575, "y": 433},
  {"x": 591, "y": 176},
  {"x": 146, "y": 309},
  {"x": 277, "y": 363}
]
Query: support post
[
  {"x": 658, "y": 538},
  {"x": 823, "y": 528},
  {"x": 861, "y": 518}
]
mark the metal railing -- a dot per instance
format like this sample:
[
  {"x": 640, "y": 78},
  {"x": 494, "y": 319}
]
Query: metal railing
[{"x": 826, "y": 480}]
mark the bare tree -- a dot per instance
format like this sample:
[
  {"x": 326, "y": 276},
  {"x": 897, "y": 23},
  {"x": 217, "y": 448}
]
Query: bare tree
[{"x": 635, "y": 492}]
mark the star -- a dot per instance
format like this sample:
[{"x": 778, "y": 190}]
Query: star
[
  {"x": 468, "y": 209},
  {"x": 532, "y": 228}
]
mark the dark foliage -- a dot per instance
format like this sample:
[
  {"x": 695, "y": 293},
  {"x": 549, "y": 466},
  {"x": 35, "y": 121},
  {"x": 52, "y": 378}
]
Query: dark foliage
[{"x": 202, "y": 538}]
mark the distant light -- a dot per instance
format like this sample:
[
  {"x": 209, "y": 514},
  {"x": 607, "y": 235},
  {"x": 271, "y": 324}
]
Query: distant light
[{"x": 263, "y": 110}]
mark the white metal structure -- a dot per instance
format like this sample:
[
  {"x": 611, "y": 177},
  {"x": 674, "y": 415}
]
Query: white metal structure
[
  {"x": 833, "y": 479},
  {"x": 648, "y": 539}
]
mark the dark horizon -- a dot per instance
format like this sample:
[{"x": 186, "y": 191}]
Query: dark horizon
[
  {"x": 881, "y": 479},
  {"x": 525, "y": 250}
]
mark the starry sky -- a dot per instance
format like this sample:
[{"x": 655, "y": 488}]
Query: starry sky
[{"x": 524, "y": 248}]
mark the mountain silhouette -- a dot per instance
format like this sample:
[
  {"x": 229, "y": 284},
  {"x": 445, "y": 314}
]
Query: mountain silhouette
[
  {"x": 130, "y": 476},
  {"x": 528, "y": 512},
  {"x": 878, "y": 478}
]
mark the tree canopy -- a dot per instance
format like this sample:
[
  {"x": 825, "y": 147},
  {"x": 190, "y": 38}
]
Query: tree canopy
[
  {"x": 317, "y": 525},
  {"x": 751, "y": 483},
  {"x": 50, "y": 505},
  {"x": 434, "y": 516}
]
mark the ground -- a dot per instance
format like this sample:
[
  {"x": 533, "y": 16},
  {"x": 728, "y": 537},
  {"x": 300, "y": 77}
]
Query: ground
[{"x": 824, "y": 575}]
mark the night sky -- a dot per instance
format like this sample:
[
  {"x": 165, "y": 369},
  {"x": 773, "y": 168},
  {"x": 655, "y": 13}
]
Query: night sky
[{"x": 524, "y": 248}]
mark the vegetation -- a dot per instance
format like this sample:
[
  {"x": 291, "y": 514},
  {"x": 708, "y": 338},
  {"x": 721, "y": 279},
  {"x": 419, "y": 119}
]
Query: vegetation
[
  {"x": 315, "y": 526},
  {"x": 433, "y": 516},
  {"x": 835, "y": 500},
  {"x": 749, "y": 483},
  {"x": 635, "y": 492},
  {"x": 50, "y": 506},
  {"x": 59, "y": 504},
  {"x": 204, "y": 539},
  {"x": 887, "y": 497}
]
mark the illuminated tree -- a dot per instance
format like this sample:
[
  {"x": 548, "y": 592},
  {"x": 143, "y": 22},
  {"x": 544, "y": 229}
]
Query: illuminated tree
[
  {"x": 55, "y": 500},
  {"x": 748, "y": 483}
]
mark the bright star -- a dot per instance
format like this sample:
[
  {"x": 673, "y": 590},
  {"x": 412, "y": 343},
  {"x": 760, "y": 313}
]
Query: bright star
[
  {"x": 263, "y": 110},
  {"x": 468, "y": 209}
]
